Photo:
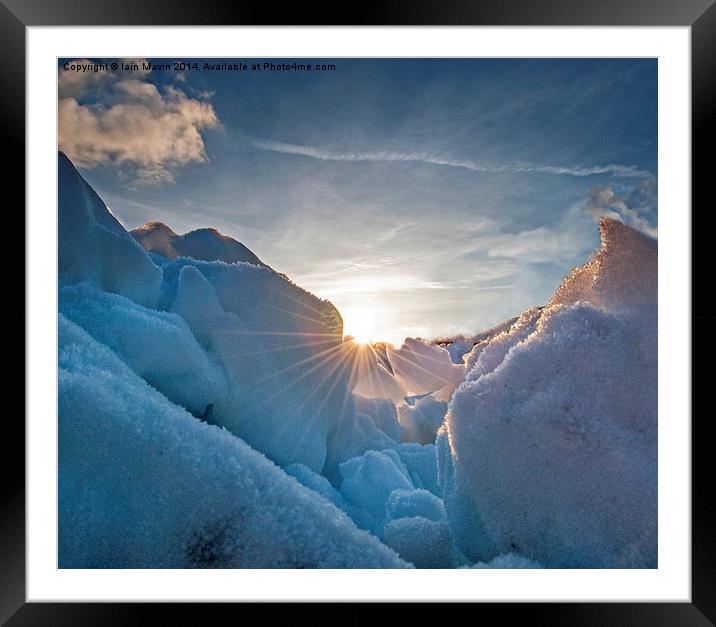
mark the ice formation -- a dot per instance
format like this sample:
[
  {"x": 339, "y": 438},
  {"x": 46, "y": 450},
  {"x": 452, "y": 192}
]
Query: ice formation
[
  {"x": 212, "y": 415},
  {"x": 423, "y": 542},
  {"x": 144, "y": 484},
  {"x": 549, "y": 447},
  {"x": 423, "y": 367},
  {"x": 371, "y": 374},
  {"x": 460, "y": 346},
  {"x": 145, "y": 339}
]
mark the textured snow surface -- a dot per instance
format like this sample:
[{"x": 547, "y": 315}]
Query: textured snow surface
[
  {"x": 550, "y": 444},
  {"x": 142, "y": 483},
  {"x": 423, "y": 542},
  {"x": 409, "y": 503},
  {"x": 508, "y": 560}
]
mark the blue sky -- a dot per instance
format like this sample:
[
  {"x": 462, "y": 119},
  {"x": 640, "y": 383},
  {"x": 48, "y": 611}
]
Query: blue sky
[{"x": 422, "y": 197}]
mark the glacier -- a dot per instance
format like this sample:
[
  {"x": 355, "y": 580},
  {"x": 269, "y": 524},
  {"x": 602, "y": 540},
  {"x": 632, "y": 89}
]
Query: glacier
[{"x": 212, "y": 415}]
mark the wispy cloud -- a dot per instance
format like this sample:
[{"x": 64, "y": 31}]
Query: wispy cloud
[{"x": 612, "y": 169}]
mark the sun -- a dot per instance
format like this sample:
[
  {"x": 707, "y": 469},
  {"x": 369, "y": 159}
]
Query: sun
[{"x": 360, "y": 323}]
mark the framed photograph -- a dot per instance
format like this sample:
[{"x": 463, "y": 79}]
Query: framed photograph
[{"x": 392, "y": 311}]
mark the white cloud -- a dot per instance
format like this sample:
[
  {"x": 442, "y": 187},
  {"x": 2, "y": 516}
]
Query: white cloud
[
  {"x": 539, "y": 245},
  {"x": 135, "y": 124},
  {"x": 72, "y": 84},
  {"x": 631, "y": 208}
]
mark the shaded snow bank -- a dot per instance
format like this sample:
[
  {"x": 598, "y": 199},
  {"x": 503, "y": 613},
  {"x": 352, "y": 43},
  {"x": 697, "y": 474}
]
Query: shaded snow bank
[
  {"x": 550, "y": 444},
  {"x": 93, "y": 245},
  {"x": 144, "y": 484}
]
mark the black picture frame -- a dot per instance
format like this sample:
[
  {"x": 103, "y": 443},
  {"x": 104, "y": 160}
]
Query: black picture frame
[{"x": 700, "y": 15}]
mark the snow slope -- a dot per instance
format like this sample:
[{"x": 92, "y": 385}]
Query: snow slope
[
  {"x": 549, "y": 447},
  {"x": 143, "y": 484},
  {"x": 203, "y": 244}
]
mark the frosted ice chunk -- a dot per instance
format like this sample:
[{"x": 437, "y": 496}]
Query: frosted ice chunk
[
  {"x": 318, "y": 483},
  {"x": 421, "y": 462},
  {"x": 369, "y": 374},
  {"x": 351, "y": 438},
  {"x": 368, "y": 481},
  {"x": 508, "y": 560},
  {"x": 418, "y": 502},
  {"x": 423, "y": 542},
  {"x": 157, "y": 345},
  {"x": 383, "y": 413},
  {"x": 423, "y": 367},
  {"x": 623, "y": 273}
]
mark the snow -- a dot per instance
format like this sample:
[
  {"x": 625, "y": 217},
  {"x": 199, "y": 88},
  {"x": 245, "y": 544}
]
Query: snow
[
  {"x": 212, "y": 414},
  {"x": 460, "y": 345},
  {"x": 421, "y": 462},
  {"x": 352, "y": 438},
  {"x": 144, "y": 339},
  {"x": 489, "y": 353},
  {"x": 409, "y": 503},
  {"x": 509, "y": 560},
  {"x": 280, "y": 348},
  {"x": 383, "y": 413},
  {"x": 424, "y": 543},
  {"x": 550, "y": 444},
  {"x": 204, "y": 244},
  {"x": 93, "y": 245},
  {"x": 422, "y": 420},
  {"x": 318, "y": 483},
  {"x": 369, "y": 480},
  {"x": 142, "y": 483}
]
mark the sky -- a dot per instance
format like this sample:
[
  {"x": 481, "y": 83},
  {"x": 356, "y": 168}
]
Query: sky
[{"x": 423, "y": 197}]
